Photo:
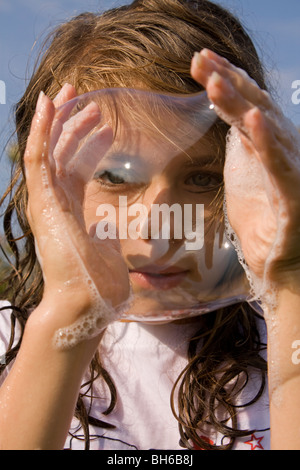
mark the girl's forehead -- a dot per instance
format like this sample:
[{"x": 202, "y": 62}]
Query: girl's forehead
[
  {"x": 138, "y": 149},
  {"x": 153, "y": 130},
  {"x": 169, "y": 116}
]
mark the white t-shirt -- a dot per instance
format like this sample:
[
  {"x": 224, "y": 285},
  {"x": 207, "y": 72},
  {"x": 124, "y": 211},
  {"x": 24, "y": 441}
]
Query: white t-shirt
[{"x": 144, "y": 361}]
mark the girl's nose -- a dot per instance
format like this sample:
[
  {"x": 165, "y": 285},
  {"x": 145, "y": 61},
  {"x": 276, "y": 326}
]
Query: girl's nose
[{"x": 165, "y": 215}]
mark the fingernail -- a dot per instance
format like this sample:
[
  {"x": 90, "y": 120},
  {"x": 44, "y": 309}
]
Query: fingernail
[
  {"x": 60, "y": 93},
  {"x": 206, "y": 52},
  {"x": 198, "y": 59},
  {"x": 40, "y": 100},
  {"x": 211, "y": 55},
  {"x": 63, "y": 88},
  {"x": 216, "y": 78}
]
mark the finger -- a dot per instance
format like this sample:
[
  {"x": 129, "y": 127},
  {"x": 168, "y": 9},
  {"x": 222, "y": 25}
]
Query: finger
[
  {"x": 239, "y": 90},
  {"x": 235, "y": 86},
  {"x": 229, "y": 104},
  {"x": 73, "y": 131},
  {"x": 66, "y": 93},
  {"x": 272, "y": 154},
  {"x": 83, "y": 165},
  {"x": 36, "y": 153},
  {"x": 206, "y": 62},
  {"x": 39, "y": 181},
  {"x": 63, "y": 110},
  {"x": 233, "y": 108}
]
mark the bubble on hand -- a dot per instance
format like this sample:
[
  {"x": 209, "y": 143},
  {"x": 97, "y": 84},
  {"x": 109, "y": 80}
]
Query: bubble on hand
[{"x": 85, "y": 328}]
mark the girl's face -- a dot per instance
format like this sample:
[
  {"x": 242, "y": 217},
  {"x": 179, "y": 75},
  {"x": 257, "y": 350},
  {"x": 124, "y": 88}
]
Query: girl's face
[{"x": 159, "y": 199}]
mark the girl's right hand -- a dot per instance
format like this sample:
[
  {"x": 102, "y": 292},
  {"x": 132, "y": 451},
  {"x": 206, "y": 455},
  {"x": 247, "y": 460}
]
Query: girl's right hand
[{"x": 87, "y": 276}]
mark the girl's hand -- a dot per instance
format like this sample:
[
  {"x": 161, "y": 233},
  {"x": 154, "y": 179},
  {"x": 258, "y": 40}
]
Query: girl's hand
[
  {"x": 262, "y": 172},
  {"x": 86, "y": 275}
]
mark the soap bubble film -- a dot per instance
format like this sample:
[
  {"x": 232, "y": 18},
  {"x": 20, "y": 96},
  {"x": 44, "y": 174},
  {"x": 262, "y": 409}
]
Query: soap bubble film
[{"x": 151, "y": 179}]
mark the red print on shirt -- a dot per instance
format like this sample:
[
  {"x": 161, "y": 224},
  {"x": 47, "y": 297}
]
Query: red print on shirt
[
  {"x": 255, "y": 442},
  {"x": 204, "y": 438}
]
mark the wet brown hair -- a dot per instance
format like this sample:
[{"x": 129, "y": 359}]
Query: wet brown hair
[{"x": 148, "y": 44}]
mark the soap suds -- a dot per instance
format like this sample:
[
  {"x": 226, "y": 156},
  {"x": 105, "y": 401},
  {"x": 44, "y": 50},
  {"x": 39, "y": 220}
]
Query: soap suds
[
  {"x": 251, "y": 181},
  {"x": 102, "y": 313},
  {"x": 245, "y": 179}
]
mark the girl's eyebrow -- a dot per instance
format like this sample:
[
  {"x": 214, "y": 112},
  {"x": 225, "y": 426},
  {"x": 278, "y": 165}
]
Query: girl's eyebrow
[
  {"x": 123, "y": 157},
  {"x": 207, "y": 160},
  {"x": 189, "y": 160},
  {"x": 127, "y": 160}
]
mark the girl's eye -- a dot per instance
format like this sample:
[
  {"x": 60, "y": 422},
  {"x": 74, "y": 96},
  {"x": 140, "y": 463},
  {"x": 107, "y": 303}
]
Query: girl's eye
[
  {"x": 109, "y": 177},
  {"x": 204, "y": 181},
  {"x": 118, "y": 177}
]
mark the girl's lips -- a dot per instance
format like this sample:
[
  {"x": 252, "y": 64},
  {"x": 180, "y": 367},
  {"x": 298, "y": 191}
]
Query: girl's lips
[{"x": 163, "y": 280}]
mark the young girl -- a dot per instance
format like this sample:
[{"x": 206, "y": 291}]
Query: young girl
[{"x": 111, "y": 389}]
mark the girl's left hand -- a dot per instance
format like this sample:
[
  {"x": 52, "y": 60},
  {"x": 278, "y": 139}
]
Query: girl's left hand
[{"x": 262, "y": 170}]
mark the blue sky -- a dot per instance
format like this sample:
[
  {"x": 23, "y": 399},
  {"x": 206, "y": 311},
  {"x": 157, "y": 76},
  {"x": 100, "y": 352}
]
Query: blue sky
[{"x": 274, "y": 24}]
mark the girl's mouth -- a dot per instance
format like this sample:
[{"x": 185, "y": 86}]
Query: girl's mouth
[{"x": 154, "y": 279}]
